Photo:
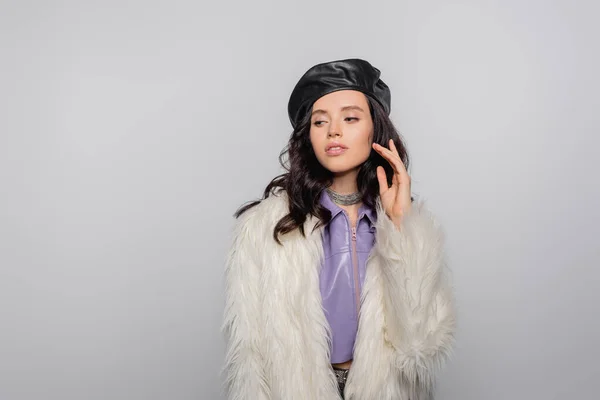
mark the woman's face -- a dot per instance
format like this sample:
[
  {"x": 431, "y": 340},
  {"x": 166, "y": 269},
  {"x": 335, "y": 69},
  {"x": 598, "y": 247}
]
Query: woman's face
[{"x": 341, "y": 130}]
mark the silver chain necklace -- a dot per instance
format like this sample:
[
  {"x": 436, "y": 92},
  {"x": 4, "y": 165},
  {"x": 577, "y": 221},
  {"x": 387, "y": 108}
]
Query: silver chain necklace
[{"x": 344, "y": 199}]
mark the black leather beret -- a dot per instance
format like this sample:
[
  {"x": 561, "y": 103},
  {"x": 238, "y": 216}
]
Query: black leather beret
[{"x": 321, "y": 79}]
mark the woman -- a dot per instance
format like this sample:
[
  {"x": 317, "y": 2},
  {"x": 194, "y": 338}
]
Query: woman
[{"x": 336, "y": 282}]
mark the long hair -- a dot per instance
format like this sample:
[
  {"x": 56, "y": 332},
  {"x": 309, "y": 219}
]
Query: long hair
[{"x": 306, "y": 178}]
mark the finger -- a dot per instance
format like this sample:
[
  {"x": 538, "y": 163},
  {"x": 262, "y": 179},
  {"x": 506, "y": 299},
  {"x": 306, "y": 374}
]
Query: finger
[
  {"x": 393, "y": 148},
  {"x": 400, "y": 167},
  {"x": 384, "y": 150},
  {"x": 394, "y": 161},
  {"x": 381, "y": 178}
]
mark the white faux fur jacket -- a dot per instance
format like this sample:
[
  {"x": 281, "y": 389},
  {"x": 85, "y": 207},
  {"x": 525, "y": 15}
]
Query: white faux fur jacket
[{"x": 276, "y": 329}]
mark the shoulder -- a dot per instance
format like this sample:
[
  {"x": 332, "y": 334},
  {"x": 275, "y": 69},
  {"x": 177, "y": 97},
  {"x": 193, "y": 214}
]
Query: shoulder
[
  {"x": 269, "y": 210},
  {"x": 261, "y": 219}
]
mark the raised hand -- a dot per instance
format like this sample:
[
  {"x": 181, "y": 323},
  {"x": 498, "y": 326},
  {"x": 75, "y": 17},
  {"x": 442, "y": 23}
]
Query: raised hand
[{"x": 395, "y": 199}]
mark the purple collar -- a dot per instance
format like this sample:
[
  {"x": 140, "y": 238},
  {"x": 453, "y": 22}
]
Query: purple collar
[{"x": 363, "y": 210}]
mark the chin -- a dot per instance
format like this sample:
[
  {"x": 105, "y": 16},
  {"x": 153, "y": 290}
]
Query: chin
[{"x": 340, "y": 167}]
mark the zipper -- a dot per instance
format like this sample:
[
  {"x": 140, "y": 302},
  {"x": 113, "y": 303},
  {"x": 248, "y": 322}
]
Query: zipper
[{"x": 355, "y": 267}]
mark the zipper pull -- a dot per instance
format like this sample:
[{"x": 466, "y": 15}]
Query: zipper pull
[{"x": 354, "y": 233}]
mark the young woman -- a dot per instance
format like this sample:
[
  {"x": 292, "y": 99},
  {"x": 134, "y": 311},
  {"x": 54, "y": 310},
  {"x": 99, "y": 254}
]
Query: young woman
[{"x": 336, "y": 281}]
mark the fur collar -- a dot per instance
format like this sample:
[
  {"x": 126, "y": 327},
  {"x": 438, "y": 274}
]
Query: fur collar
[{"x": 277, "y": 332}]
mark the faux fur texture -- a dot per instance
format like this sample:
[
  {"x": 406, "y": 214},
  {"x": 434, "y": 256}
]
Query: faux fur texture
[{"x": 276, "y": 330}]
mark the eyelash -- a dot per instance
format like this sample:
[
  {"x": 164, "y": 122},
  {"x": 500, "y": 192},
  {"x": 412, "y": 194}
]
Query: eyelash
[{"x": 316, "y": 123}]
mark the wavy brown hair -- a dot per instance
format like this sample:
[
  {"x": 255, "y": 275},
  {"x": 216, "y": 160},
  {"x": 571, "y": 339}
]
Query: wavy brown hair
[{"x": 306, "y": 178}]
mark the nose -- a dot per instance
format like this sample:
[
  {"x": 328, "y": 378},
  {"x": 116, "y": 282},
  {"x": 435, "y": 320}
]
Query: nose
[{"x": 334, "y": 130}]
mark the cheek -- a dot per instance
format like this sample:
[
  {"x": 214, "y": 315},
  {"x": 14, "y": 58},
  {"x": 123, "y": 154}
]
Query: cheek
[
  {"x": 362, "y": 140},
  {"x": 316, "y": 142},
  {"x": 368, "y": 137}
]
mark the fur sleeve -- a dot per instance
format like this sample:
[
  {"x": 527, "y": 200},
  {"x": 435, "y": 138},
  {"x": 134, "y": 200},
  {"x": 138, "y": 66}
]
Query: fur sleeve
[
  {"x": 244, "y": 362},
  {"x": 417, "y": 294}
]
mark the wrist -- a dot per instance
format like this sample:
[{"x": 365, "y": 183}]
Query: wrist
[{"x": 397, "y": 220}]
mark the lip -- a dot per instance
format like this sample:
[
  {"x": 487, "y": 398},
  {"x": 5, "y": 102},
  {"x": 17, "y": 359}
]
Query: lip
[{"x": 335, "y": 149}]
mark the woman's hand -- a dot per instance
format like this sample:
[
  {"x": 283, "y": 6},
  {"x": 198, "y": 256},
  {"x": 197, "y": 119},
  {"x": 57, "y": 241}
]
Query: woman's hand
[{"x": 395, "y": 199}]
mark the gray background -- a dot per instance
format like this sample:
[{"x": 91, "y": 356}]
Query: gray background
[{"x": 131, "y": 130}]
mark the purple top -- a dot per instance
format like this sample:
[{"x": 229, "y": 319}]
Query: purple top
[{"x": 343, "y": 273}]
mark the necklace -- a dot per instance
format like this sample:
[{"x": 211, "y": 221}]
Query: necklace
[{"x": 344, "y": 199}]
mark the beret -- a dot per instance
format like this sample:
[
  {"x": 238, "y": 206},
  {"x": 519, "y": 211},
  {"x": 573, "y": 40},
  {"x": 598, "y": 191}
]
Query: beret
[{"x": 324, "y": 78}]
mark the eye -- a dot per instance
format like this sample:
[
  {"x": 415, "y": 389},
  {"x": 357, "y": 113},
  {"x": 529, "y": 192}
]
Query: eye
[
  {"x": 351, "y": 118},
  {"x": 318, "y": 123}
]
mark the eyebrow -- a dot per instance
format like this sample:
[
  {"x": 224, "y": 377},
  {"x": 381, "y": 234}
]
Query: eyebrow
[{"x": 357, "y": 108}]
